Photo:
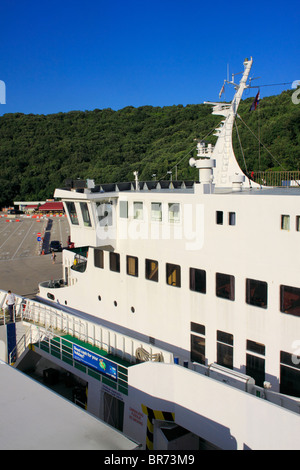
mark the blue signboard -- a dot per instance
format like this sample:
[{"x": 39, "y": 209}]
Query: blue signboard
[{"x": 95, "y": 361}]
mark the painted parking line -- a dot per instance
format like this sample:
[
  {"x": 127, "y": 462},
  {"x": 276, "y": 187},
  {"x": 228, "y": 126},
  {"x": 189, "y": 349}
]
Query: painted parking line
[
  {"x": 29, "y": 230},
  {"x": 19, "y": 242},
  {"x": 17, "y": 228}
]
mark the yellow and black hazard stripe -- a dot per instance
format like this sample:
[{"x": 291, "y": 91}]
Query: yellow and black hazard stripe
[{"x": 151, "y": 416}]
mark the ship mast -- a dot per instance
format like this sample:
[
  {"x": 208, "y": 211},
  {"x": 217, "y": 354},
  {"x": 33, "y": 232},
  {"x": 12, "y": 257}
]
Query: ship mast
[{"x": 225, "y": 170}]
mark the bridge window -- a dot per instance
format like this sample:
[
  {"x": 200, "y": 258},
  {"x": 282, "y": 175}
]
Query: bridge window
[
  {"x": 174, "y": 212},
  {"x": 156, "y": 211},
  {"x": 124, "y": 209},
  {"x": 72, "y": 213},
  {"x": 138, "y": 210},
  {"x": 104, "y": 213},
  {"x": 85, "y": 214}
]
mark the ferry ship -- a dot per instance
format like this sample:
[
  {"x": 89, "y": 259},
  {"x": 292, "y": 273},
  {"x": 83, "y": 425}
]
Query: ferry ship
[{"x": 179, "y": 303}]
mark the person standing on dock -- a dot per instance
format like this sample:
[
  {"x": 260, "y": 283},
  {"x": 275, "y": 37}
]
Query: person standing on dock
[
  {"x": 53, "y": 257},
  {"x": 10, "y": 302}
]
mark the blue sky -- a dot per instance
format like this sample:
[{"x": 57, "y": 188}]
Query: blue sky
[{"x": 80, "y": 55}]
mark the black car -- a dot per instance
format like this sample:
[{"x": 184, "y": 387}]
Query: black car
[{"x": 55, "y": 245}]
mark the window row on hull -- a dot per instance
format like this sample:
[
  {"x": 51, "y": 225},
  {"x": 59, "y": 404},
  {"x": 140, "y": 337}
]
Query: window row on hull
[
  {"x": 254, "y": 358},
  {"x": 256, "y": 291}
]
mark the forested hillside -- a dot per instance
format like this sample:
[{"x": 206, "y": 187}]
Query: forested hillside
[{"x": 38, "y": 152}]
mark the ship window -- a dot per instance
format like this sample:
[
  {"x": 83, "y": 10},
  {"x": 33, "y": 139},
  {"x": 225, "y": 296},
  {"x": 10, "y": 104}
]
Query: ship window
[
  {"x": 298, "y": 223},
  {"x": 231, "y": 218},
  {"x": 225, "y": 286},
  {"x": 198, "y": 280},
  {"x": 124, "y": 209},
  {"x": 257, "y": 293},
  {"x": 219, "y": 217},
  {"x": 174, "y": 212},
  {"x": 114, "y": 262},
  {"x": 285, "y": 222},
  {"x": 173, "y": 275},
  {"x": 85, "y": 214},
  {"x": 72, "y": 213},
  {"x": 290, "y": 300},
  {"x": 151, "y": 270},
  {"x": 255, "y": 347},
  {"x": 132, "y": 266},
  {"x": 156, "y": 211},
  {"x": 289, "y": 374},
  {"x": 104, "y": 213},
  {"x": 138, "y": 210},
  {"x": 98, "y": 258},
  {"x": 198, "y": 349},
  {"x": 197, "y": 328},
  {"x": 225, "y": 349},
  {"x": 255, "y": 367}
]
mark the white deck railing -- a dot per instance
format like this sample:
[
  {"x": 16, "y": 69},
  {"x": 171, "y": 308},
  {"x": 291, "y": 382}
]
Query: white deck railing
[{"x": 52, "y": 321}]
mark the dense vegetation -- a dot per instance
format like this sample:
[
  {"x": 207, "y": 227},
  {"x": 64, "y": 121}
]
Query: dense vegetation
[{"x": 38, "y": 152}]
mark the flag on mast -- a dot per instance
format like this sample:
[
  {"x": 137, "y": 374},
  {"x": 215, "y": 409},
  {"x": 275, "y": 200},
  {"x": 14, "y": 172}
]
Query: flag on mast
[
  {"x": 255, "y": 103},
  {"x": 222, "y": 90}
]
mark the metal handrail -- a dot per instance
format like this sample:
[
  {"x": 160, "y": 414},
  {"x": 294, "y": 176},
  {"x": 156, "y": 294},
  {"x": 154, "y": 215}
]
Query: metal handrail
[
  {"x": 62, "y": 346},
  {"x": 26, "y": 339},
  {"x": 57, "y": 322},
  {"x": 17, "y": 314},
  {"x": 51, "y": 321},
  {"x": 276, "y": 178}
]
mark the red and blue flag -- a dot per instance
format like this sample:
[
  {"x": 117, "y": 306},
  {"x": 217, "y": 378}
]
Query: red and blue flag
[{"x": 255, "y": 103}]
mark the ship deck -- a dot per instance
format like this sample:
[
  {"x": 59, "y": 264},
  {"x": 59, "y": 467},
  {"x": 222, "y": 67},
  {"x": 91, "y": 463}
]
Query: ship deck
[{"x": 35, "y": 417}]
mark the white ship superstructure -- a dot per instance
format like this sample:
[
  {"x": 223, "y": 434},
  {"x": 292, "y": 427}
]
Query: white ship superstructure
[{"x": 205, "y": 275}]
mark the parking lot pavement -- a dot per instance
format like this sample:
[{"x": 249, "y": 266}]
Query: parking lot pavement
[{"x": 22, "y": 267}]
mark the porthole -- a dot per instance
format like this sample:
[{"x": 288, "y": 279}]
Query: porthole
[
  {"x": 132, "y": 309},
  {"x": 99, "y": 298},
  {"x": 50, "y": 296},
  {"x": 115, "y": 303}
]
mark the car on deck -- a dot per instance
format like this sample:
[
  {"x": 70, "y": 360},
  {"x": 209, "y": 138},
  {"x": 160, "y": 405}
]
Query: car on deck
[{"x": 55, "y": 245}]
